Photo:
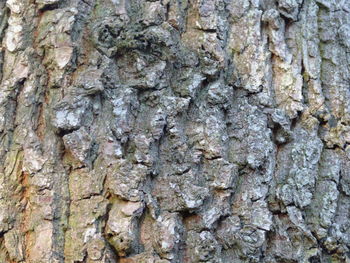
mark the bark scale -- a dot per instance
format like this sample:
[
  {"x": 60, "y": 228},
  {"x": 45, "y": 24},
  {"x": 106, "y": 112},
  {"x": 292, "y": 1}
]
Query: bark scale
[{"x": 163, "y": 131}]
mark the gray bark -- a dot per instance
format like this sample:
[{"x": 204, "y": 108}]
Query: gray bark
[{"x": 177, "y": 131}]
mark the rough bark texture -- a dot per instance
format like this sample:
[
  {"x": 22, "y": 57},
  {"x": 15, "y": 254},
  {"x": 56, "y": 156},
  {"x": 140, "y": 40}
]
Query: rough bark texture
[{"x": 175, "y": 131}]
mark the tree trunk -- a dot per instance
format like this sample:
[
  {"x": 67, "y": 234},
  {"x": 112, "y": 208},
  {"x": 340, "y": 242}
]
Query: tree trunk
[{"x": 177, "y": 131}]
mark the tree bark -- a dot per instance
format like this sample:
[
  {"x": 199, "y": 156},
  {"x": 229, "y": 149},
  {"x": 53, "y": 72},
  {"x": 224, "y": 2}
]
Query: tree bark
[{"x": 177, "y": 131}]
